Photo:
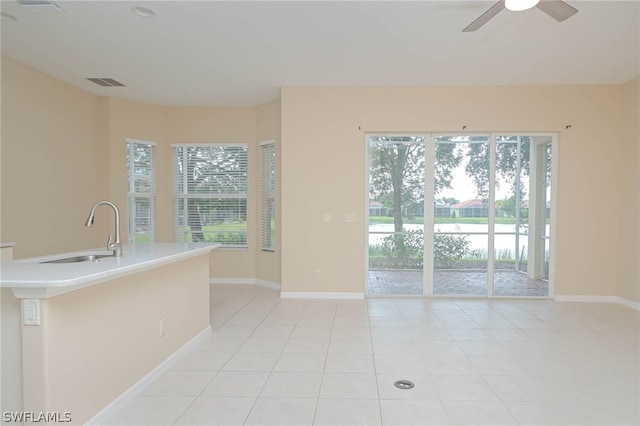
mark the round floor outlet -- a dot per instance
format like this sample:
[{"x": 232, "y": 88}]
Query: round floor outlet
[{"x": 404, "y": 384}]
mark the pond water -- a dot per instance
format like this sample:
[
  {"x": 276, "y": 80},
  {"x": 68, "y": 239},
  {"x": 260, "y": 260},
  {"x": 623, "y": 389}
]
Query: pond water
[{"x": 477, "y": 242}]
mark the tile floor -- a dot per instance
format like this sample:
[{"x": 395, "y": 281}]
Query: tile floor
[{"x": 333, "y": 362}]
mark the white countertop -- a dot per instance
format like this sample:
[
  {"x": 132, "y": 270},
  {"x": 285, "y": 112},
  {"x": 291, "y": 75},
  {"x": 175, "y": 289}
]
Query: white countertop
[{"x": 29, "y": 278}]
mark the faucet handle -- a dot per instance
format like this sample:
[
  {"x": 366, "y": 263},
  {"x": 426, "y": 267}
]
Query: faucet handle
[{"x": 109, "y": 247}]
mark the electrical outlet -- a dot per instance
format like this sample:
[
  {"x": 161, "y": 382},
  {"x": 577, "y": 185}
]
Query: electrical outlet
[
  {"x": 163, "y": 327},
  {"x": 318, "y": 274},
  {"x": 31, "y": 312}
]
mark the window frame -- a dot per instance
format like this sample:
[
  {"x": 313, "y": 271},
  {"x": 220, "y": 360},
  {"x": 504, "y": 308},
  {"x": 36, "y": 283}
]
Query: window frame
[
  {"x": 268, "y": 207},
  {"x": 130, "y": 145},
  {"x": 182, "y": 192}
]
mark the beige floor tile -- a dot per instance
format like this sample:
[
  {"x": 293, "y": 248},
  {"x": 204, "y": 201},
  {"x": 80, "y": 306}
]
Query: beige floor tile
[
  {"x": 237, "y": 384},
  {"x": 350, "y": 331},
  {"x": 399, "y": 363},
  {"x": 150, "y": 410},
  {"x": 490, "y": 413},
  {"x": 418, "y": 413},
  {"x": 313, "y": 331},
  {"x": 354, "y": 412},
  {"x": 463, "y": 388},
  {"x": 201, "y": 360},
  {"x": 307, "y": 345},
  {"x": 217, "y": 343},
  {"x": 349, "y": 363},
  {"x": 394, "y": 346},
  {"x": 293, "y": 385},
  {"x": 264, "y": 344},
  {"x": 346, "y": 345},
  {"x": 273, "y": 331},
  {"x": 180, "y": 383},
  {"x": 252, "y": 361},
  {"x": 347, "y": 385},
  {"x": 301, "y": 362},
  {"x": 283, "y": 412},
  {"x": 208, "y": 410}
]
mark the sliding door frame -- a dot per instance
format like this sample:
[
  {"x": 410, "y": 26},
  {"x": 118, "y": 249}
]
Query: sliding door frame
[{"x": 429, "y": 214}]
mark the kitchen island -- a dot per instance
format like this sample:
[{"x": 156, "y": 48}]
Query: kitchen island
[{"x": 93, "y": 331}]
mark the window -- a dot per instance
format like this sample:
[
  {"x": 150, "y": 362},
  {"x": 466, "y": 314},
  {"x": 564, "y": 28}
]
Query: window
[
  {"x": 141, "y": 190},
  {"x": 211, "y": 193},
  {"x": 268, "y": 195}
]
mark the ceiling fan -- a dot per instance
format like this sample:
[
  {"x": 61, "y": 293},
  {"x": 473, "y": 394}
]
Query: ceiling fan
[{"x": 557, "y": 9}]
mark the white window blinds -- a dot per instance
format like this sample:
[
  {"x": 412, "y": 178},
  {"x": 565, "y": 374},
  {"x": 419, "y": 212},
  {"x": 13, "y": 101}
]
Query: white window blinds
[
  {"x": 211, "y": 193},
  {"x": 268, "y": 195},
  {"x": 141, "y": 190}
]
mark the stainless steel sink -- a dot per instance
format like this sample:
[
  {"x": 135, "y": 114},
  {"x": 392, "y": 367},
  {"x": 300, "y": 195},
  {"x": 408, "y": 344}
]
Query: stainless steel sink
[{"x": 78, "y": 259}]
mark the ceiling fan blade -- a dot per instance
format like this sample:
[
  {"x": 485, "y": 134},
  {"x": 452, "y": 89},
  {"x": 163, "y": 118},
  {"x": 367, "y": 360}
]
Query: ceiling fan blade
[
  {"x": 485, "y": 17},
  {"x": 557, "y": 9}
]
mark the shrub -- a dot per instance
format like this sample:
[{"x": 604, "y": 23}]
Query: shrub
[
  {"x": 406, "y": 251},
  {"x": 447, "y": 248},
  {"x": 226, "y": 238}
]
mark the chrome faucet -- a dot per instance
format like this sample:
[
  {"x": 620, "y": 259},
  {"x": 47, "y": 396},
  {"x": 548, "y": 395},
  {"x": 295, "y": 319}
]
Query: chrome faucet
[{"x": 116, "y": 246}]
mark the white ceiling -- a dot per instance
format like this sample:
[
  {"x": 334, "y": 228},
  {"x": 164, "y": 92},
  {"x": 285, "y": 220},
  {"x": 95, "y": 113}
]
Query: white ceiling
[{"x": 241, "y": 53}]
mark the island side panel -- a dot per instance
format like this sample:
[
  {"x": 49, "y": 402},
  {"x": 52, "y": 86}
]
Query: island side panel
[
  {"x": 101, "y": 340},
  {"x": 11, "y": 352}
]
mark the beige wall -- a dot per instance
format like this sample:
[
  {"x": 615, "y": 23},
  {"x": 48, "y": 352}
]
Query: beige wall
[
  {"x": 74, "y": 139},
  {"x": 73, "y": 145},
  {"x": 54, "y": 166},
  {"x": 629, "y": 203},
  {"x": 135, "y": 120},
  {"x": 268, "y": 128},
  {"x": 323, "y": 171},
  {"x": 95, "y": 343}
]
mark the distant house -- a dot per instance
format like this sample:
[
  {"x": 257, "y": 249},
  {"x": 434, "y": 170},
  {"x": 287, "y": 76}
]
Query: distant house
[
  {"x": 470, "y": 208},
  {"x": 377, "y": 209},
  {"x": 442, "y": 210}
]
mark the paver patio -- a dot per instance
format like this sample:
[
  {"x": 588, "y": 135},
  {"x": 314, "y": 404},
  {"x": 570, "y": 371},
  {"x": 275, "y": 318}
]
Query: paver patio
[{"x": 455, "y": 282}]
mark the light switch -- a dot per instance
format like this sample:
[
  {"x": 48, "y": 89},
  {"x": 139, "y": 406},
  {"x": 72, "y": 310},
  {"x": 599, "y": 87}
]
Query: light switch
[{"x": 350, "y": 217}]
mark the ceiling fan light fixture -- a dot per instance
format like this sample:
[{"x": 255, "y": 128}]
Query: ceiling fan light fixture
[{"x": 520, "y": 5}]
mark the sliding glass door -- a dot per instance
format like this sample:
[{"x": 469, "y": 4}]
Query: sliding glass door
[
  {"x": 522, "y": 215},
  {"x": 396, "y": 211},
  {"x": 460, "y": 215},
  {"x": 460, "y": 231}
]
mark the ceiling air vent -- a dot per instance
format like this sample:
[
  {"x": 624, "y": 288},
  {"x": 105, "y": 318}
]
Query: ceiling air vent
[
  {"x": 106, "y": 82},
  {"x": 41, "y": 6}
]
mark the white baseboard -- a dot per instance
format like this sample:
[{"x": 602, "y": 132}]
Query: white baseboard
[
  {"x": 319, "y": 295},
  {"x": 267, "y": 284},
  {"x": 138, "y": 387},
  {"x": 232, "y": 280},
  {"x": 591, "y": 299},
  {"x": 599, "y": 299},
  {"x": 241, "y": 281},
  {"x": 628, "y": 303}
]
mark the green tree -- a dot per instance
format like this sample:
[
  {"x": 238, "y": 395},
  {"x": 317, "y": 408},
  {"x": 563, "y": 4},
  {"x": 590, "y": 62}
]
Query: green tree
[
  {"x": 397, "y": 171},
  {"x": 210, "y": 170},
  {"x": 477, "y": 166}
]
